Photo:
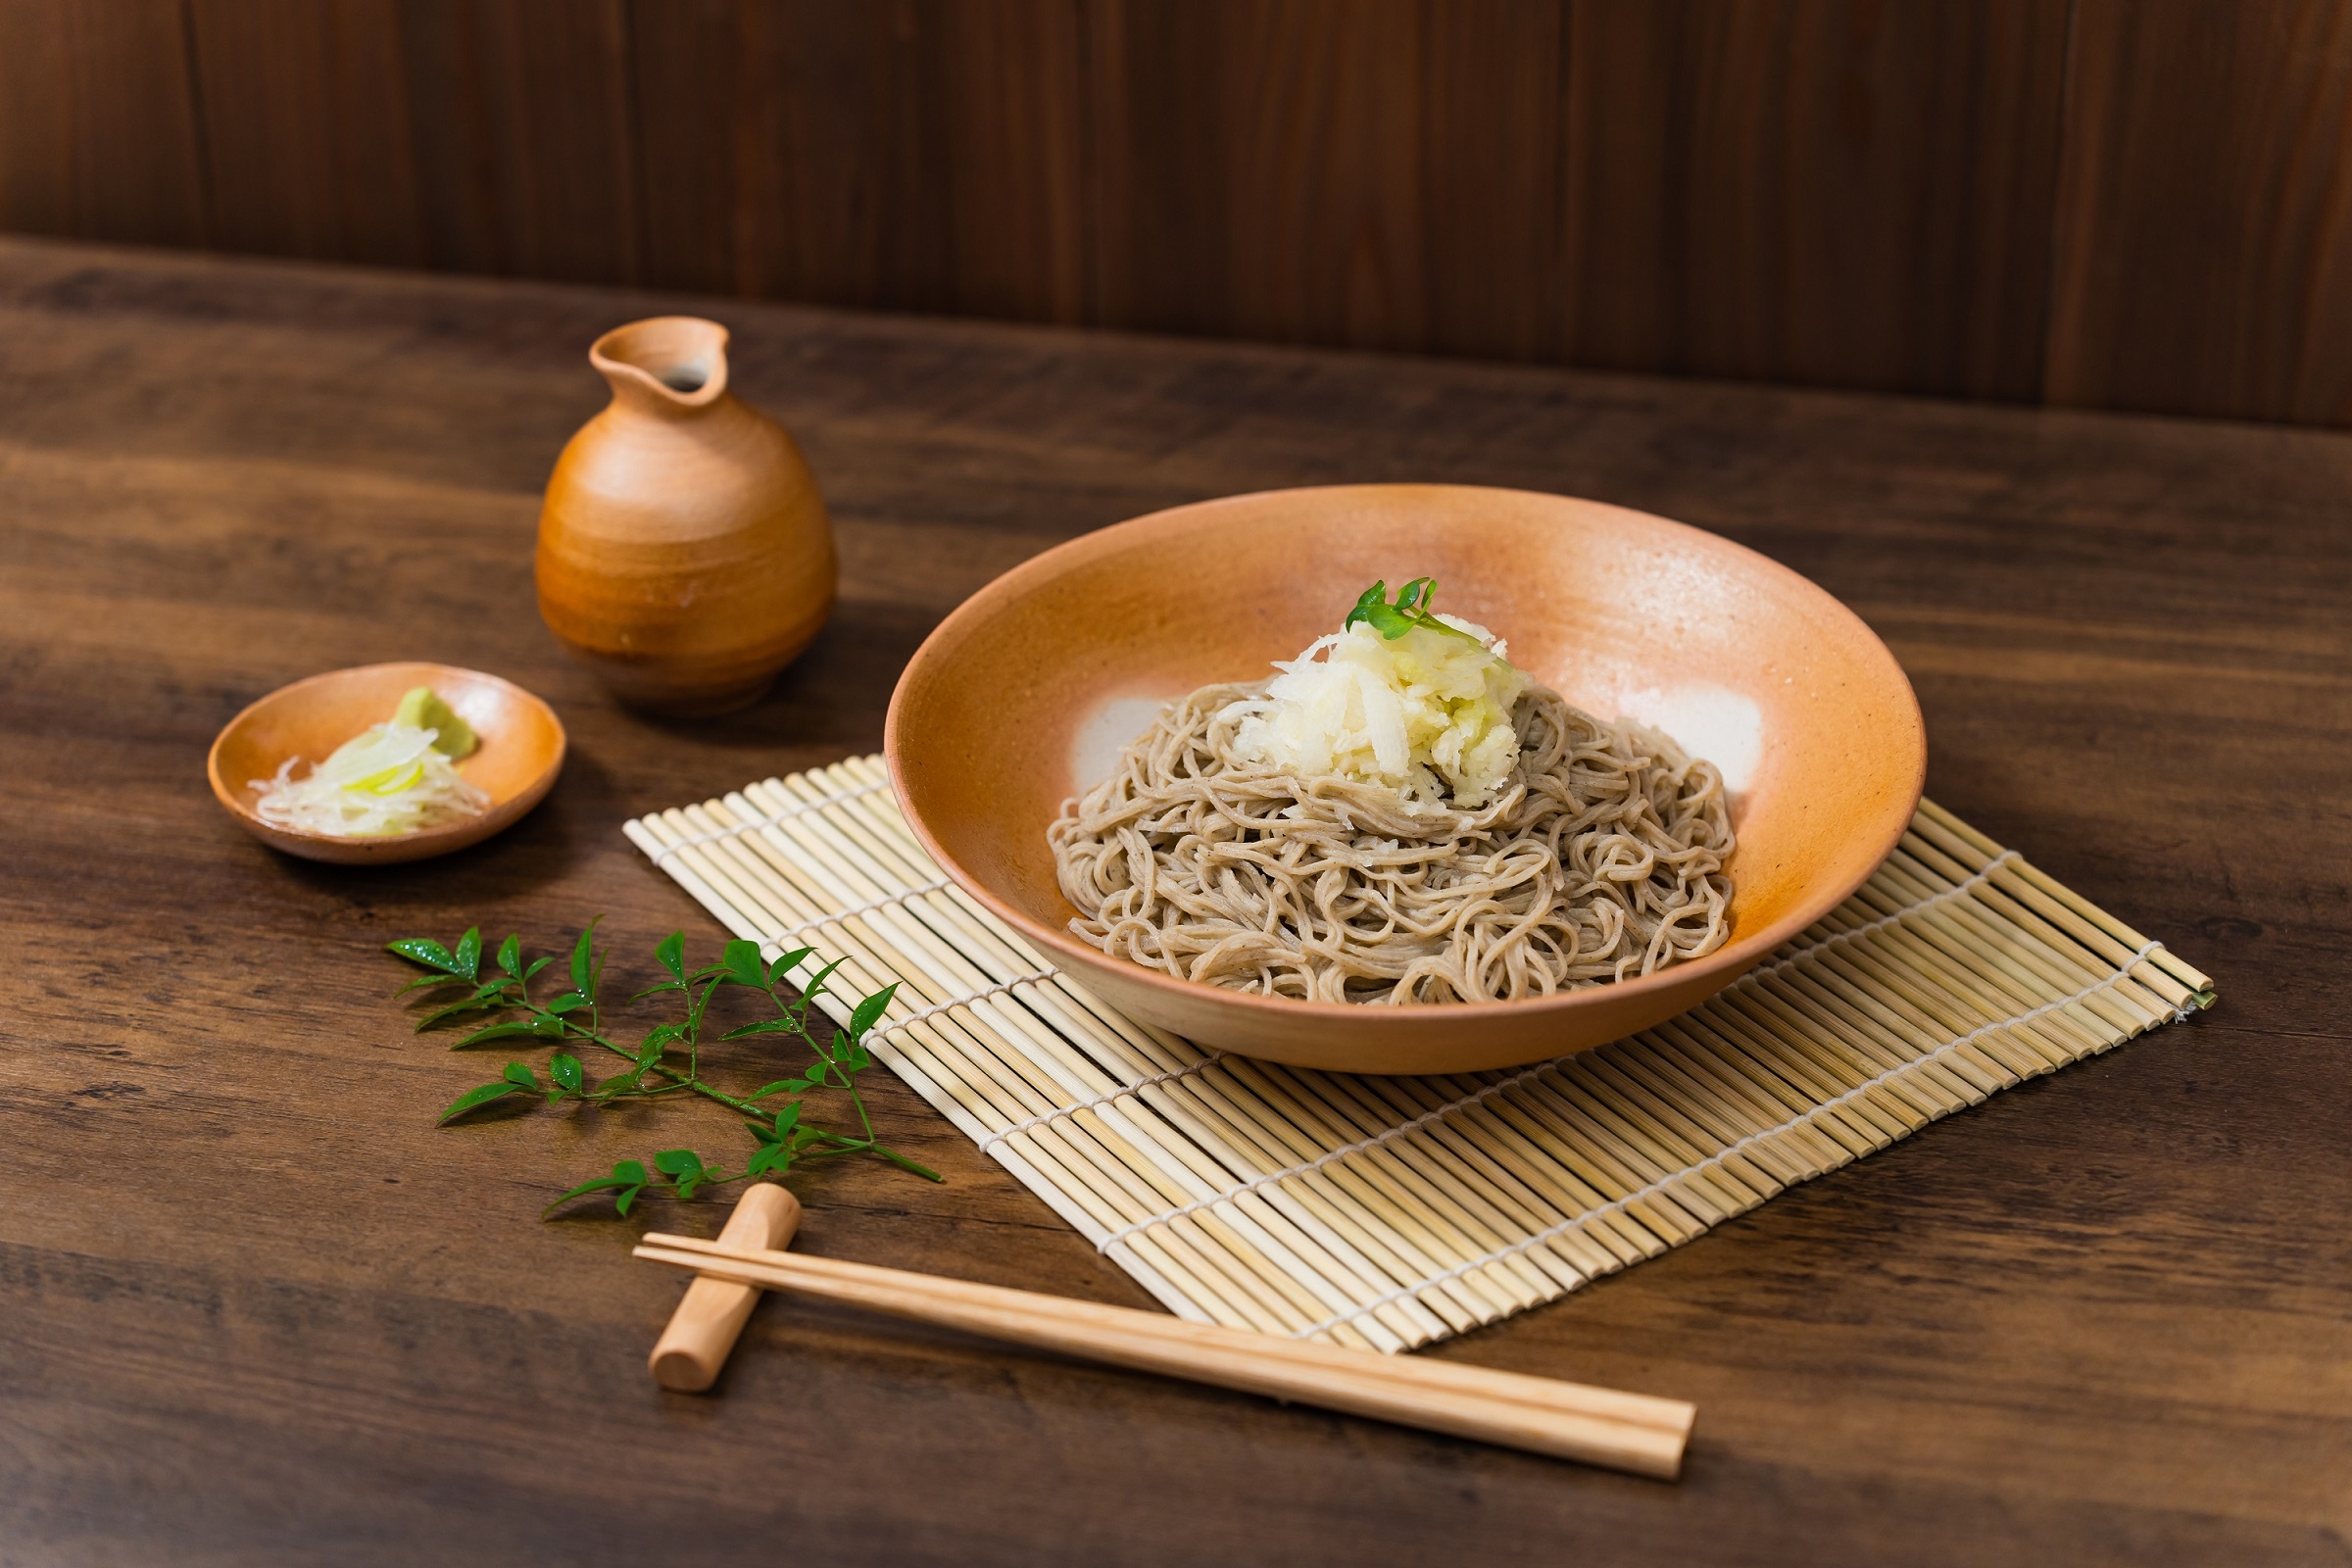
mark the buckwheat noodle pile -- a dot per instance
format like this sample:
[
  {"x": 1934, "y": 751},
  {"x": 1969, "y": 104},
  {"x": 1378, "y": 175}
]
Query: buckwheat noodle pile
[{"x": 1600, "y": 857}]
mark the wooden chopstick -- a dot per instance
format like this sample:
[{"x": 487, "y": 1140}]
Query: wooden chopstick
[{"x": 1631, "y": 1432}]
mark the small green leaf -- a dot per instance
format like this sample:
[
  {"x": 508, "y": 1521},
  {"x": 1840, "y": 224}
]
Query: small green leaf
[
  {"x": 657, "y": 1040},
  {"x": 510, "y": 956},
  {"x": 475, "y": 1099},
  {"x": 765, "y": 1026},
  {"x": 538, "y": 965},
  {"x": 777, "y": 1133},
  {"x": 1377, "y": 594},
  {"x": 519, "y": 1074},
  {"x": 565, "y": 1068},
  {"x": 568, "y": 1002},
  {"x": 701, "y": 1000},
  {"x": 620, "y": 1085},
  {"x": 817, "y": 981},
  {"x": 677, "y": 1162},
  {"x": 743, "y": 965},
  {"x": 600, "y": 1183},
  {"x": 547, "y": 1027},
  {"x": 495, "y": 1031},
  {"x": 583, "y": 977},
  {"x": 426, "y": 951},
  {"x": 1413, "y": 607},
  {"x": 672, "y": 953},
  {"x": 772, "y": 1159},
  {"x": 784, "y": 965},
  {"x": 470, "y": 1005},
  {"x": 782, "y": 1086},
  {"x": 628, "y": 1178},
  {"x": 431, "y": 980},
  {"x": 871, "y": 1008},
  {"x": 469, "y": 953}
]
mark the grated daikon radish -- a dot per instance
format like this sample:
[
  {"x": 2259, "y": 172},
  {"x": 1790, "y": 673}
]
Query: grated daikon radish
[
  {"x": 1421, "y": 703},
  {"x": 387, "y": 779}
]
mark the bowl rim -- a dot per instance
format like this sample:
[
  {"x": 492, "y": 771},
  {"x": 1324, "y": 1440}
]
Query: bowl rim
[
  {"x": 1735, "y": 958},
  {"x": 404, "y": 846}
]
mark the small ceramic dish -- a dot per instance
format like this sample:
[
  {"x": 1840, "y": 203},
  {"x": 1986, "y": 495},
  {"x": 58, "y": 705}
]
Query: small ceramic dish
[
  {"x": 1026, "y": 694},
  {"x": 520, "y": 753}
]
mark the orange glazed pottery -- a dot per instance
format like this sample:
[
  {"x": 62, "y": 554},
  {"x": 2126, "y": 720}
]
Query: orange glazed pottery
[
  {"x": 520, "y": 753},
  {"x": 1025, "y": 695},
  {"x": 684, "y": 551}
]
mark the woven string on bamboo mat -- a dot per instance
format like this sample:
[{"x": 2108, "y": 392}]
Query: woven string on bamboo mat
[{"x": 1389, "y": 1212}]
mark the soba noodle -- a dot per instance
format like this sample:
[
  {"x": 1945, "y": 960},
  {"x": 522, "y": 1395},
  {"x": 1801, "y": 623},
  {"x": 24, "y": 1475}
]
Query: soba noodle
[{"x": 1600, "y": 857}]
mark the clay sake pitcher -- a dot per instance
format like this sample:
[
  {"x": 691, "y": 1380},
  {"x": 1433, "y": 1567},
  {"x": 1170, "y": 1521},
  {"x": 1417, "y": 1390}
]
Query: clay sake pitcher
[{"x": 684, "y": 553}]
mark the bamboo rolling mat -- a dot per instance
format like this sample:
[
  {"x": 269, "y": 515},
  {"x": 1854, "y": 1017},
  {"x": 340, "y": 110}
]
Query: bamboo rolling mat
[{"x": 1389, "y": 1212}]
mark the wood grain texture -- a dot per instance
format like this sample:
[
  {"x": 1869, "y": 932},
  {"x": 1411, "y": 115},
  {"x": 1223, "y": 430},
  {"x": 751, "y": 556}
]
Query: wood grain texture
[
  {"x": 919, "y": 155},
  {"x": 259, "y": 1309},
  {"x": 1260, "y": 169},
  {"x": 1494, "y": 135},
  {"x": 1834, "y": 191},
  {"x": 524, "y": 154},
  {"x": 306, "y": 128},
  {"x": 99, "y": 134},
  {"x": 2098, "y": 203},
  {"x": 2204, "y": 248}
]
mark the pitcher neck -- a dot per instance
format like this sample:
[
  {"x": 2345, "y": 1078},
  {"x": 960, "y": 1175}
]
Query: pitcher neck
[{"x": 671, "y": 367}]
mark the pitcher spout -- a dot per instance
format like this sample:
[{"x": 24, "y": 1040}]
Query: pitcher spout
[{"x": 668, "y": 365}]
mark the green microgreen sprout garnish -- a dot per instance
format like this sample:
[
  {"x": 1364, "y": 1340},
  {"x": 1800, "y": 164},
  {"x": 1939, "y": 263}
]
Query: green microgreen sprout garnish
[
  {"x": 1411, "y": 608},
  {"x": 667, "y": 1061}
]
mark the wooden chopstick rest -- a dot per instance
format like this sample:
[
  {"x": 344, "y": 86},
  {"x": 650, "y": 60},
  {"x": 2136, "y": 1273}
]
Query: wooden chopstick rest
[
  {"x": 1568, "y": 1420},
  {"x": 703, "y": 1330}
]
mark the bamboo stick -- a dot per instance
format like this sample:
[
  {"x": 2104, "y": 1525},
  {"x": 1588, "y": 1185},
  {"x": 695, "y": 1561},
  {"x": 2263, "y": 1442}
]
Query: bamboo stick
[{"x": 1629, "y": 1432}]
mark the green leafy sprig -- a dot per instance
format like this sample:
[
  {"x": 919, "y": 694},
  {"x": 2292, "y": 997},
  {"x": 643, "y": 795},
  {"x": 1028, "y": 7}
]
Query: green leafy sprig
[
  {"x": 1411, "y": 610},
  {"x": 667, "y": 1061}
]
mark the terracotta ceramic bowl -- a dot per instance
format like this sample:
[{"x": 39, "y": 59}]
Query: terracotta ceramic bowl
[
  {"x": 1027, "y": 692},
  {"x": 520, "y": 753}
]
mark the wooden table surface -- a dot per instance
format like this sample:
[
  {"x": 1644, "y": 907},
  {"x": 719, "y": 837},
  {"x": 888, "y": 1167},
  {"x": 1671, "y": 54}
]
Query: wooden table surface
[{"x": 255, "y": 1307}]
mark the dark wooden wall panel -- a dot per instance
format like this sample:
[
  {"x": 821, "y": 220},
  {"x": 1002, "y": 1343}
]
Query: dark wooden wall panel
[
  {"x": 1844, "y": 191},
  {"x": 1260, "y": 169},
  {"x": 1493, "y": 133},
  {"x": 526, "y": 145},
  {"x": 306, "y": 128},
  {"x": 98, "y": 126},
  {"x": 1383, "y": 174},
  {"x": 1009, "y": 79},
  {"x": 2123, "y": 203},
  {"x": 2204, "y": 255},
  {"x": 921, "y": 156}
]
